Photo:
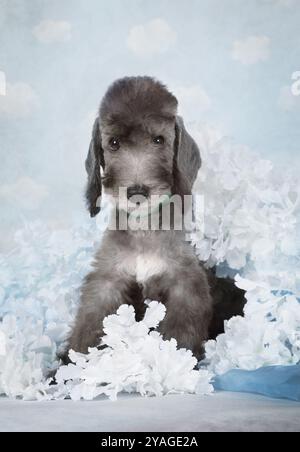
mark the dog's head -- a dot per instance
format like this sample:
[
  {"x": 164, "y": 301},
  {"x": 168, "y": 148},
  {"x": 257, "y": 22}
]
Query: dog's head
[{"x": 140, "y": 143}]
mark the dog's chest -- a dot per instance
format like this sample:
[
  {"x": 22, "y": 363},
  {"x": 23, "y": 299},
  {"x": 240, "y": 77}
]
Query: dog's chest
[{"x": 143, "y": 266}]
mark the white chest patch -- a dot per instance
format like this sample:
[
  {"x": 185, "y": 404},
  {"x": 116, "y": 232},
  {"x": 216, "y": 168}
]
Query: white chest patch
[
  {"x": 144, "y": 266},
  {"x": 149, "y": 265}
]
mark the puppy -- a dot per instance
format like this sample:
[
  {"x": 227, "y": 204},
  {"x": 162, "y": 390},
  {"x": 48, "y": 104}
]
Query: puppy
[{"x": 140, "y": 145}]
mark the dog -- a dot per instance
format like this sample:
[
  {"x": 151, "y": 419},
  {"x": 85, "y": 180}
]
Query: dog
[{"x": 140, "y": 144}]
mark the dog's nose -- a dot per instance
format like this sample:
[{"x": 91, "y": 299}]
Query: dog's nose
[{"x": 137, "y": 190}]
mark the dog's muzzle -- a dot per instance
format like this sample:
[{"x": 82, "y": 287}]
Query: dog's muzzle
[{"x": 137, "y": 193}]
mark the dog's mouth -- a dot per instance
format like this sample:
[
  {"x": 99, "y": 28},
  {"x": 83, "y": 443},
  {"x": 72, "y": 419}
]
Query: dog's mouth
[{"x": 139, "y": 204}]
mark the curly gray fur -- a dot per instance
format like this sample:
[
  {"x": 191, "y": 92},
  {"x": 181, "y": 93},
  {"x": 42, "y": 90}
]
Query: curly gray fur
[{"x": 132, "y": 266}]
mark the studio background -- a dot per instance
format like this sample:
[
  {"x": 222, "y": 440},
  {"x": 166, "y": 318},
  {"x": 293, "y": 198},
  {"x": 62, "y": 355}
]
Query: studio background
[{"x": 230, "y": 63}]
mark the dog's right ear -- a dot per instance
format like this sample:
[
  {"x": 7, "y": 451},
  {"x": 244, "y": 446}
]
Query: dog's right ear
[
  {"x": 94, "y": 161},
  {"x": 187, "y": 156}
]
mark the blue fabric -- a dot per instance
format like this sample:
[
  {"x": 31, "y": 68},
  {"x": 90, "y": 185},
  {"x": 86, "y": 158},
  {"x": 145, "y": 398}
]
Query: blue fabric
[{"x": 281, "y": 382}]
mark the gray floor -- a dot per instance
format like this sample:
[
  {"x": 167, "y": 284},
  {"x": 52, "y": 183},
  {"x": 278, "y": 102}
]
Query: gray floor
[{"x": 222, "y": 412}]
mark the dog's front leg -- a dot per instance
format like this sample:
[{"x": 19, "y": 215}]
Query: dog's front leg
[
  {"x": 101, "y": 296},
  {"x": 189, "y": 307}
]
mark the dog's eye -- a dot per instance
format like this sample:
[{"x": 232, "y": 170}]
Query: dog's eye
[
  {"x": 159, "y": 140},
  {"x": 114, "y": 144}
]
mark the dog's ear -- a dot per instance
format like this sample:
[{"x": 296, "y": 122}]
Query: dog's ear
[
  {"x": 94, "y": 161},
  {"x": 187, "y": 156}
]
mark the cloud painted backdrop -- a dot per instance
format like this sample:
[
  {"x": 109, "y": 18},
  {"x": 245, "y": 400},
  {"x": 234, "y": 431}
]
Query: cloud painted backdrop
[{"x": 229, "y": 62}]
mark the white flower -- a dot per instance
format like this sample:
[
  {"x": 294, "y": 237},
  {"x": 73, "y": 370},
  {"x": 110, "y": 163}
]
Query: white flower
[{"x": 134, "y": 361}]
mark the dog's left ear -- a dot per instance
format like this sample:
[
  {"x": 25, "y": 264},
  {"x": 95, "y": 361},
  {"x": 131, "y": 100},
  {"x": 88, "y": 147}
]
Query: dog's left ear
[
  {"x": 94, "y": 161},
  {"x": 187, "y": 156}
]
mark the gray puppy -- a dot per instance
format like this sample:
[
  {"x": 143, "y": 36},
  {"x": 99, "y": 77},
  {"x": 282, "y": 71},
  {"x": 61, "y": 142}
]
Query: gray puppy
[{"x": 141, "y": 144}]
